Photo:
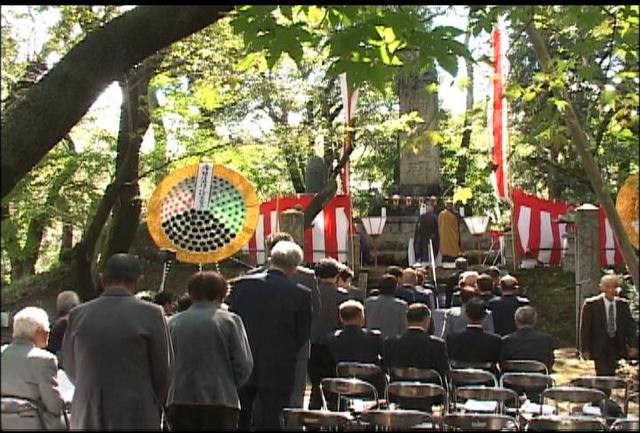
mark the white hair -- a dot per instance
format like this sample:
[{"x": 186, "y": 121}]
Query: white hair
[
  {"x": 612, "y": 278},
  {"x": 286, "y": 254},
  {"x": 66, "y": 301},
  {"x": 27, "y": 322},
  {"x": 467, "y": 276}
]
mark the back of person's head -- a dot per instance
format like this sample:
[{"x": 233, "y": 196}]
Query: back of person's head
[
  {"x": 207, "y": 286},
  {"x": 351, "y": 311},
  {"x": 163, "y": 297},
  {"x": 421, "y": 275},
  {"x": 145, "y": 295},
  {"x": 388, "y": 284},
  {"x": 327, "y": 268},
  {"x": 345, "y": 273},
  {"x": 461, "y": 263},
  {"x": 485, "y": 283},
  {"x": 286, "y": 255},
  {"x": 493, "y": 271},
  {"x": 183, "y": 303},
  {"x": 27, "y": 321},
  {"x": 469, "y": 278},
  {"x": 276, "y": 237},
  {"x": 66, "y": 301},
  {"x": 474, "y": 309},
  {"x": 417, "y": 312},
  {"x": 508, "y": 284},
  {"x": 121, "y": 269},
  {"x": 396, "y": 271},
  {"x": 466, "y": 293},
  {"x": 409, "y": 277},
  {"x": 526, "y": 316}
]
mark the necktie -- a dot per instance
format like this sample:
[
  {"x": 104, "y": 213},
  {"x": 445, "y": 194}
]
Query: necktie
[{"x": 611, "y": 323}]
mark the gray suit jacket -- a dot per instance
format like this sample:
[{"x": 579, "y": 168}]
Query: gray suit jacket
[
  {"x": 455, "y": 321},
  {"x": 117, "y": 352},
  {"x": 30, "y": 372},
  {"x": 212, "y": 356},
  {"x": 387, "y": 314}
]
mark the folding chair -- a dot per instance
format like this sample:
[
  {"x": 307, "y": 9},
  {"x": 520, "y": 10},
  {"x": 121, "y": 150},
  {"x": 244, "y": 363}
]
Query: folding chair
[
  {"x": 523, "y": 366},
  {"x": 607, "y": 384},
  {"x": 488, "y": 366},
  {"x": 565, "y": 423},
  {"x": 395, "y": 419},
  {"x": 482, "y": 393},
  {"x": 468, "y": 377},
  {"x": 371, "y": 373},
  {"x": 297, "y": 419},
  {"x": 573, "y": 394},
  {"x": 399, "y": 392},
  {"x": 20, "y": 413},
  {"x": 348, "y": 387},
  {"x": 477, "y": 421},
  {"x": 625, "y": 425},
  {"x": 416, "y": 374}
]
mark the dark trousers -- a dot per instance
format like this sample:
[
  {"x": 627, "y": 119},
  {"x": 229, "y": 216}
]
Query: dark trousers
[
  {"x": 262, "y": 408},
  {"x": 202, "y": 417},
  {"x": 607, "y": 361},
  {"x": 321, "y": 365}
]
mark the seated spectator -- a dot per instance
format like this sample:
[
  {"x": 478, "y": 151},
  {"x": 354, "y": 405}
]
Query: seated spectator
[
  {"x": 474, "y": 344},
  {"x": 455, "y": 319},
  {"x": 145, "y": 295},
  {"x": 64, "y": 303},
  {"x": 408, "y": 290},
  {"x": 30, "y": 372},
  {"x": 485, "y": 287},
  {"x": 385, "y": 312},
  {"x": 528, "y": 343},
  {"x": 183, "y": 302},
  {"x": 494, "y": 273},
  {"x": 416, "y": 348},
  {"x": 353, "y": 343},
  {"x": 504, "y": 307},
  {"x": 212, "y": 359},
  {"x": 453, "y": 282},
  {"x": 165, "y": 300},
  {"x": 345, "y": 278},
  {"x": 468, "y": 279}
]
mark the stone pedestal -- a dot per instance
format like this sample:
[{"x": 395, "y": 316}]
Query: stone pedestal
[
  {"x": 292, "y": 222},
  {"x": 569, "y": 258},
  {"x": 587, "y": 258},
  {"x": 508, "y": 250}
]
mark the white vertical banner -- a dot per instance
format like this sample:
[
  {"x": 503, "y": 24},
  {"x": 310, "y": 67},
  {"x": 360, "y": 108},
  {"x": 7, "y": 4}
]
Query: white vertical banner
[
  {"x": 317, "y": 231},
  {"x": 261, "y": 256},
  {"x": 203, "y": 186},
  {"x": 342, "y": 234}
]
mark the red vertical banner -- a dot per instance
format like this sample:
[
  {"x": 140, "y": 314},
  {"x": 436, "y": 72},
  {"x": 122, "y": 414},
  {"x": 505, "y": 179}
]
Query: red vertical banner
[{"x": 498, "y": 121}]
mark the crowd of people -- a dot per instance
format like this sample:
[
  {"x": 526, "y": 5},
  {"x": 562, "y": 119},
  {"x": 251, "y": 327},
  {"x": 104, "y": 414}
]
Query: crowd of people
[{"x": 234, "y": 354}]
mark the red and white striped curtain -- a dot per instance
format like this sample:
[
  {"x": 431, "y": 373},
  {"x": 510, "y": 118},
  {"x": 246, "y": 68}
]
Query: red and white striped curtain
[
  {"x": 539, "y": 233},
  {"x": 328, "y": 236}
]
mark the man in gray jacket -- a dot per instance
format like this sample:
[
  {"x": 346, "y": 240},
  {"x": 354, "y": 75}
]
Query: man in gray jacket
[
  {"x": 212, "y": 359},
  {"x": 385, "y": 312},
  {"x": 117, "y": 352}
]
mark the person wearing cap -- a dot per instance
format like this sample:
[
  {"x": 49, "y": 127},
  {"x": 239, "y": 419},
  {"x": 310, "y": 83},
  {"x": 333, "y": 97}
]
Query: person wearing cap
[{"x": 118, "y": 354}]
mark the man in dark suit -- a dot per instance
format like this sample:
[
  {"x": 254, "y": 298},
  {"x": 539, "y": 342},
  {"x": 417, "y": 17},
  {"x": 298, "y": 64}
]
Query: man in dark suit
[
  {"x": 485, "y": 287},
  {"x": 504, "y": 307},
  {"x": 474, "y": 344},
  {"x": 353, "y": 343},
  {"x": 117, "y": 352},
  {"x": 277, "y": 316},
  {"x": 527, "y": 343},
  {"x": 416, "y": 348},
  {"x": 408, "y": 290},
  {"x": 331, "y": 296},
  {"x": 607, "y": 330}
]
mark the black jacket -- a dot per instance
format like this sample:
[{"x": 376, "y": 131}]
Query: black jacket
[
  {"x": 277, "y": 317},
  {"x": 504, "y": 309},
  {"x": 528, "y": 344},
  {"x": 418, "y": 349},
  {"x": 474, "y": 345}
]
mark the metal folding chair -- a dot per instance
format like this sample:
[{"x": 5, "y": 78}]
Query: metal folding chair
[
  {"x": 416, "y": 374},
  {"x": 468, "y": 377},
  {"x": 488, "y": 366},
  {"x": 477, "y": 421},
  {"x": 298, "y": 419},
  {"x": 348, "y": 387},
  {"x": 573, "y": 394},
  {"x": 565, "y": 423},
  {"x": 625, "y": 425},
  {"x": 607, "y": 384},
  {"x": 523, "y": 366},
  {"x": 482, "y": 393},
  {"x": 21, "y": 413},
  {"x": 397, "y": 391},
  {"x": 396, "y": 419}
]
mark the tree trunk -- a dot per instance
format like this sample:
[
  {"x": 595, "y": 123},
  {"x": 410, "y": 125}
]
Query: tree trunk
[
  {"x": 134, "y": 122},
  {"x": 66, "y": 242},
  {"x": 461, "y": 171},
  {"x": 36, "y": 123},
  {"x": 579, "y": 140},
  {"x": 159, "y": 156}
]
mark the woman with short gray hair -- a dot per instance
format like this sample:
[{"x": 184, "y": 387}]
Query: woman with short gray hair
[
  {"x": 286, "y": 255},
  {"x": 64, "y": 303},
  {"x": 30, "y": 372}
]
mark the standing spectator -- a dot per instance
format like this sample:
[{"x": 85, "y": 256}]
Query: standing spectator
[
  {"x": 30, "y": 372},
  {"x": 385, "y": 312},
  {"x": 64, "y": 303},
  {"x": 607, "y": 330},
  {"x": 277, "y": 315},
  {"x": 331, "y": 296},
  {"x": 345, "y": 280},
  {"x": 449, "y": 232},
  {"x": 118, "y": 354},
  {"x": 426, "y": 230},
  {"x": 504, "y": 307},
  {"x": 166, "y": 301},
  {"x": 474, "y": 344},
  {"x": 528, "y": 343},
  {"x": 306, "y": 278},
  {"x": 202, "y": 397}
]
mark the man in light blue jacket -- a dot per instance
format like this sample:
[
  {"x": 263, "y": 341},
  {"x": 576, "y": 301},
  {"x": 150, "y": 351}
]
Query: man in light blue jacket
[{"x": 212, "y": 359}]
